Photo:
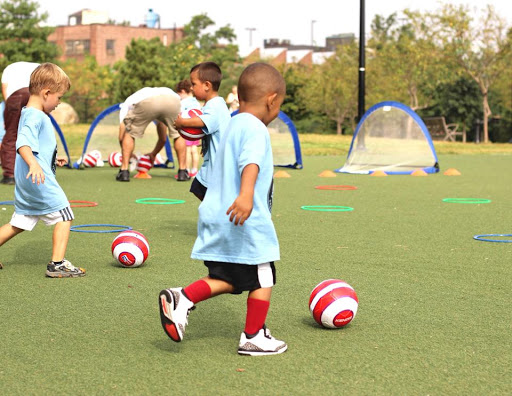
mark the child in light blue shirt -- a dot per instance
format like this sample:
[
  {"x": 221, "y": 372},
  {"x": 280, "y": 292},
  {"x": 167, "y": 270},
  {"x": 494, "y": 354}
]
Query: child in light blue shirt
[
  {"x": 236, "y": 237},
  {"x": 37, "y": 195},
  {"x": 206, "y": 78}
]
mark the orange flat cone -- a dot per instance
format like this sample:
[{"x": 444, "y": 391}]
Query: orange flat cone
[
  {"x": 142, "y": 175},
  {"x": 419, "y": 172},
  {"x": 327, "y": 173},
  {"x": 281, "y": 173},
  {"x": 378, "y": 173},
  {"x": 451, "y": 172}
]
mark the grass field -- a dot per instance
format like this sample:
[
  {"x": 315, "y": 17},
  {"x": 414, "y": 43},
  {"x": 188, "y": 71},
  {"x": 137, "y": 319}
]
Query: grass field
[{"x": 434, "y": 314}]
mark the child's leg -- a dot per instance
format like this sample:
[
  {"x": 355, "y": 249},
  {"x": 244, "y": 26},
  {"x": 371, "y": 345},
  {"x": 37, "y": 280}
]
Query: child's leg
[
  {"x": 258, "y": 303},
  {"x": 195, "y": 158},
  {"x": 60, "y": 240},
  {"x": 205, "y": 288},
  {"x": 7, "y": 231},
  {"x": 189, "y": 158}
]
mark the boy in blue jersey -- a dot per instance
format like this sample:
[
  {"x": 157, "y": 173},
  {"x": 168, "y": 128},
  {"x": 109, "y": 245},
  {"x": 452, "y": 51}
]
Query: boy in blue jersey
[
  {"x": 206, "y": 78},
  {"x": 236, "y": 236},
  {"x": 37, "y": 195}
]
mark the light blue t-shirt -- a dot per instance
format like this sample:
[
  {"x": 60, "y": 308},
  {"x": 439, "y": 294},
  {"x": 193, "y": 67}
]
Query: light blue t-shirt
[
  {"x": 246, "y": 141},
  {"x": 216, "y": 117},
  {"x": 36, "y": 131},
  {"x": 189, "y": 103}
]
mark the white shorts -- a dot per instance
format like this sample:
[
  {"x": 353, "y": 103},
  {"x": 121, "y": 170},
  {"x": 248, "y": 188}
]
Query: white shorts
[{"x": 28, "y": 222}]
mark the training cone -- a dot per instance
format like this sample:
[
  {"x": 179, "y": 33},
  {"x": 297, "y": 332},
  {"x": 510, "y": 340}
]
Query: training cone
[
  {"x": 451, "y": 172},
  {"x": 327, "y": 173},
  {"x": 142, "y": 175},
  {"x": 378, "y": 173},
  {"x": 281, "y": 173},
  {"x": 419, "y": 172}
]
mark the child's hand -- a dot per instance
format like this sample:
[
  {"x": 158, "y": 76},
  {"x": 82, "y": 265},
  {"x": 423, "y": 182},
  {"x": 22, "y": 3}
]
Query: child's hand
[
  {"x": 61, "y": 161},
  {"x": 178, "y": 122},
  {"x": 240, "y": 210},
  {"x": 37, "y": 173}
]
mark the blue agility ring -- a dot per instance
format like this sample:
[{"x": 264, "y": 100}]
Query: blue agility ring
[
  {"x": 6, "y": 202},
  {"x": 118, "y": 228},
  {"x": 483, "y": 238}
]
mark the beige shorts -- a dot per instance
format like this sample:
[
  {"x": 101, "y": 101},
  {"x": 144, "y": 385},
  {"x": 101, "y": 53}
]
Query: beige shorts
[
  {"x": 163, "y": 108},
  {"x": 28, "y": 222}
]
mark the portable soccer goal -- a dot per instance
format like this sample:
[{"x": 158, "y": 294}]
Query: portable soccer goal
[
  {"x": 285, "y": 142},
  {"x": 103, "y": 135},
  {"x": 392, "y": 138},
  {"x": 62, "y": 146}
]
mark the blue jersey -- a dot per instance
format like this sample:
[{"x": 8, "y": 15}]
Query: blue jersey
[
  {"x": 36, "y": 131},
  {"x": 246, "y": 141},
  {"x": 216, "y": 117}
]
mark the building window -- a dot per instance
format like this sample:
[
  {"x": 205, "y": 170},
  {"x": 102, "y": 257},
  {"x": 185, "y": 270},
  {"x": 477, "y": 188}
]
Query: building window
[
  {"x": 78, "y": 47},
  {"x": 110, "y": 47}
]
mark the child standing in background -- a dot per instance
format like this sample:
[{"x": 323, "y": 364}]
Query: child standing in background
[
  {"x": 189, "y": 102},
  {"x": 206, "y": 78}
]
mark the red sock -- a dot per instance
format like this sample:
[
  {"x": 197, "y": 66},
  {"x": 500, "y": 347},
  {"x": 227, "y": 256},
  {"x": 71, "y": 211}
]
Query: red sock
[
  {"x": 256, "y": 314},
  {"x": 198, "y": 291}
]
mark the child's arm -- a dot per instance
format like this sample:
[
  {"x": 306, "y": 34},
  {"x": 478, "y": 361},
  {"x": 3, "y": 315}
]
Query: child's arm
[
  {"x": 241, "y": 208},
  {"x": 34, "y": 167},
  {"x": 195, "y": 122}
]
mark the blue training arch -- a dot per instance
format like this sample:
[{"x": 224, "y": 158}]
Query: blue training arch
[
  {"x": 62, "y": 138},
  {"x": 295, "y": 136},
  {"x": 106, "y": 112}
]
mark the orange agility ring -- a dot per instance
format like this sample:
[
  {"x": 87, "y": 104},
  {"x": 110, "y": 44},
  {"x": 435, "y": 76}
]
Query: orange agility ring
[
  {"x": 336, "y": 188},
  {"x": 82, "y": 204}
]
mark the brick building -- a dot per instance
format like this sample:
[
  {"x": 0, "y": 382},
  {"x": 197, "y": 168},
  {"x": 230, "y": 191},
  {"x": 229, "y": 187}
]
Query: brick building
[{"x": 106, "y": 42}]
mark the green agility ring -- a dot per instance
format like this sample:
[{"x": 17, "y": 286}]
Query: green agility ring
[
  {"x": 467, "y": 200},
  {"x": 327, "y": 208},
  {"x": 159, "y": 201}
]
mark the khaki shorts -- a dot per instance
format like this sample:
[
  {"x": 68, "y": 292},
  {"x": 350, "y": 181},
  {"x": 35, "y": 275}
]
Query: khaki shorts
[{"x": 163, "y": 108}]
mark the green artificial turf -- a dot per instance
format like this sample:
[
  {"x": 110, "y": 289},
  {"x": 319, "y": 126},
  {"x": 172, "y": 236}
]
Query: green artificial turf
[{"x": 434, "y": 304}]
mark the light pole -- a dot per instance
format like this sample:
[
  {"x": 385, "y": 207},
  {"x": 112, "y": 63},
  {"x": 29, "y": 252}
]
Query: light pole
[
  {"x": 250, "y": 35},
  {"x": 361, "y": 105},
  {"x": 312, "y": 36}
]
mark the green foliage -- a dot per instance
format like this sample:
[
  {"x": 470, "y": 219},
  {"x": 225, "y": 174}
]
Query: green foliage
[
  {"x": 87, "y": 95},
  {"x": 21, "y": 36},
  {"x": 150, "y": 63}
]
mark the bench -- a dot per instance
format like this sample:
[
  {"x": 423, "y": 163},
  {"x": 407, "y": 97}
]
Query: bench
[{"x": 439, "y": 129}]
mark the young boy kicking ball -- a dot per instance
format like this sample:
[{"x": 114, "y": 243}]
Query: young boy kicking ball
[
  {"x": 37, "y": 195},
  {"x": 236, "y": 236}
]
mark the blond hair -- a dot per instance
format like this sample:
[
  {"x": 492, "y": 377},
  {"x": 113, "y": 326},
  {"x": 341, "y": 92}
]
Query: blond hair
[{"x": 48, "y": 76}]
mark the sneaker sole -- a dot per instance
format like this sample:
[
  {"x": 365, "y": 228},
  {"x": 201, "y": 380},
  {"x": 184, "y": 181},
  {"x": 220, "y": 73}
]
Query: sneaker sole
[
  {"x": 262, "y": 353},
  {"x": 63, "y": 275},
  {"x": 168, "y": 325}
]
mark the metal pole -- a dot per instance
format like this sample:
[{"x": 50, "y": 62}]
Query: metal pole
[
  {"x": 312, "y": 35},
  {"x": 361, "y": 104},
  {"x": 250, "y": 35}
]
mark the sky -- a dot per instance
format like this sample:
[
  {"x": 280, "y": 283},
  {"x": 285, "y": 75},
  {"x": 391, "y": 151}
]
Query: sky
[{"x": 300, "y": 22}]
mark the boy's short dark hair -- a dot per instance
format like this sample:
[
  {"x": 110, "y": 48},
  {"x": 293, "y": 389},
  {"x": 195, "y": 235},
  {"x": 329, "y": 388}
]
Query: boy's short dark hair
[
  {"x": 184, "y": 85},
  {"x": 259, "y": 79},
  {"x": 209, "y": 71}
]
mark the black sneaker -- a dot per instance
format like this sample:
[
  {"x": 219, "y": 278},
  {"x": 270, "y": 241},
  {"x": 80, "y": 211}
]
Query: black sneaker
[
  {"x": 123, "y": 175},
  {"x": 183, "y": 175},
  {"x": 7, "y": 180}
]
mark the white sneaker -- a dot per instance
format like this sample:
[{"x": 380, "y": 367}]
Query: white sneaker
[
  {"x": 174, "y": 310},
  {"x": 261, "y": 344}
]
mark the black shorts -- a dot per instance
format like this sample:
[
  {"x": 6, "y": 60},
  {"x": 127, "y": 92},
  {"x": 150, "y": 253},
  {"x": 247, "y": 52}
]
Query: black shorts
[
  {"x": 243, "y": 277},
  {"x": 198, "y": 189}
]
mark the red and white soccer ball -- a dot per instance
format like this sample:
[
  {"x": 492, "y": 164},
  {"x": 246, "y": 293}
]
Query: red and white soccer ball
[
  {"x": 333, "y": 303},
  {"x": 144, "y": 164},
  {"x": 191, "y": 133},
  {"x": 159, "y": 160},
  {"x": 89, "y": 160},
  {"x": 130, "y": 249},
  {"x": 115, "y": 159}
]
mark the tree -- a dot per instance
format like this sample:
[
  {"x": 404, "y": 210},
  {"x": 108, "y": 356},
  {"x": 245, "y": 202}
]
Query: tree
[
  {"x": 331, "y": 88},
  {"x": 150, "y": 63},
  {"x": 21, "y": 36},
  {"x": 88, "y": 94},
  {"x": 479, "y": 49}
]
